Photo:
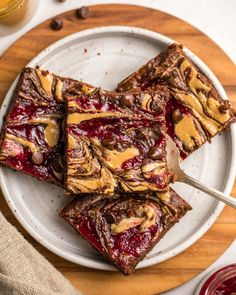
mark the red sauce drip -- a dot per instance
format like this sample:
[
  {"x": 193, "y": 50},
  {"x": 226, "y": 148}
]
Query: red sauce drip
[
  {"x": 95, "y": 127},
  {"x": 87, "y": 229},
  {"x": 133, "y": 242},
  {"x": 25, "y": 111},
  {"x": 23, "y": 159},
  {"x": 88, "y": 104},
  {"x": 132, "y": 163},
  {"x": 114, "y": 128},
  {"x": 24, "y": 163},
  {"x": 145, "y": 84},
  {"x": 21, "y": 111},
  {"x": 222, "y": 282}
]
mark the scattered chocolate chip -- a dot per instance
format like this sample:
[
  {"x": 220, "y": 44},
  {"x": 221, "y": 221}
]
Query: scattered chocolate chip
[
  {"x": 127, "y": 100},
  {"x": 37, "y": 158},
  {"x": 83, "y": 12},
  {"x": 177, "y": 115},
  {"x": 223, "y": 108},
  {"x": 56, "y": 24},
  {"x": 109, "y": 142},
  {"x": 110, "y": 217},
  {"x": 156, "y": 153},
  {"x": 61, "y": 0}
]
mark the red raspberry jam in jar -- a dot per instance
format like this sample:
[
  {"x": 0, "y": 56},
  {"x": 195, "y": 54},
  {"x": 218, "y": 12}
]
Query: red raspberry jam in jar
[{"x": 219, "y": 282}]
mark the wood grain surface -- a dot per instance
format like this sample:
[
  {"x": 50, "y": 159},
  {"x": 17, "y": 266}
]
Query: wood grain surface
[{"x": 191, "y": 262}]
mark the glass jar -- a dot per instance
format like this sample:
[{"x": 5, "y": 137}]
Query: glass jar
[
  {"x": 221, "y": 281},
  {"x": 14, "y": 14}
]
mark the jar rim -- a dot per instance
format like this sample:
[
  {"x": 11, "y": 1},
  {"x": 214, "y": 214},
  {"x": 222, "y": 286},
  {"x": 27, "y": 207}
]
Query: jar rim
[{"x": 11, "y": 7}]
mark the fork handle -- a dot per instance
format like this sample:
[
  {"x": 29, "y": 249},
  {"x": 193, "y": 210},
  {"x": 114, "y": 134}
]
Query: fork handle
[{"x": 210, "y": 191}]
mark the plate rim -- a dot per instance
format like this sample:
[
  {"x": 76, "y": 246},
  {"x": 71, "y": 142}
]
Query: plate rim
[{"x": 89, "y": 262}]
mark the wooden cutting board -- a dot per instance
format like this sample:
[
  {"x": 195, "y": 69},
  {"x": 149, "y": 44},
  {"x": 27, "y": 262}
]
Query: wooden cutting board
[{"x": 183, "y": 267}]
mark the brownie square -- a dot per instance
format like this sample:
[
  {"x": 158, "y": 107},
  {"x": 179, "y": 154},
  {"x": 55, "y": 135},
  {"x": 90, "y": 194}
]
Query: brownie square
[
  {"x": 124, "y": 228},
  {"x": 115, "y": 142},
  {"x": 195, "y": 111},
  {"x": 31, "y": 137}
]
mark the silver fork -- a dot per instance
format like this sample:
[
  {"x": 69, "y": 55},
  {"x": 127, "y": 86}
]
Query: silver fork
[{"x": 173, "y": 157}]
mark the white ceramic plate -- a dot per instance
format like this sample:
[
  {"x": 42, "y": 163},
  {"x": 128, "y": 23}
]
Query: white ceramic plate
[{"x": 103, "y": 57}]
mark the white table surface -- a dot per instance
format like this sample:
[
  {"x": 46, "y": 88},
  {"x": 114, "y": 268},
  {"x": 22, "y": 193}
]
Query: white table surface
[
  {"x": 216, "y": 18},
  {"x": 190, "y": 287}
]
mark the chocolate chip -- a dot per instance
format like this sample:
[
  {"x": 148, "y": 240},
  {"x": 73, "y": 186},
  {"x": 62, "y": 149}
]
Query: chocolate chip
[
  {"x": 177, "y": 115},
  {"x": 156, "y": 153},
  {"x": 109, "y": 142},
  {"x": 37, "y": 158},
  {"x": 61, "y": 0},
  {"x": 223, "y": 108},
  {"x": 127, "y": 100},
  {"x": 83, "y": 12},
  {"x": 110, "y": 217},
  {"x": 56, "y": 24}
]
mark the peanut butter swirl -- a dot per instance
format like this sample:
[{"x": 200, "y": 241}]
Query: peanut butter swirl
[
  {"x": 125, "y": 227},
  {"x": 109, "y": 137},
  {"x": 31, "y": 139},
  {"x": 203, "y": 112}
]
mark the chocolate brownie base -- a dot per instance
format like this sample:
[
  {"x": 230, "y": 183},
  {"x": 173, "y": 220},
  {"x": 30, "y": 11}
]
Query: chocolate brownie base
[
  {"x": 124, "y": 228},
  {"x": 115, "y": 142},
  {"x": 31, "y": 137},
  {"x": 195, "y": 112}
]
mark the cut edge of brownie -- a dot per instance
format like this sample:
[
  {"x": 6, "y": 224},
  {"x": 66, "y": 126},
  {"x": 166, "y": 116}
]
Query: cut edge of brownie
[{"x": 170, "y": 201}]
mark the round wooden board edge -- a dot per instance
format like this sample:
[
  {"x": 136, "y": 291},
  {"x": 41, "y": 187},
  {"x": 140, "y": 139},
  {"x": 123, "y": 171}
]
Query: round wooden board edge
[{"x": 97, "y": 12}]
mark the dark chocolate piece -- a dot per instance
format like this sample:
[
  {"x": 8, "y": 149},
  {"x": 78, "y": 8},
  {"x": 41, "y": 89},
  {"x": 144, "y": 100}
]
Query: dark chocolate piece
[
  {"x": 195, "y": 111},
  {"x": 156, "y": 153},
  {"x": 124, "y": 228},
  {"x": 111, "y": 143},
  {"x": 83, "y": 12},
  {"x": 56, "y": 24},
  {"x": 176, "y": 115}
]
